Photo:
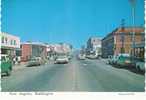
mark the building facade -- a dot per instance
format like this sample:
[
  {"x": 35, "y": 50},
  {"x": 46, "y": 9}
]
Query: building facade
[
  {"x": 94, "y": 45},
  {"x": 33, "y": 49},
  {"x": 62, "y": 48},
  {"x": 10, "y": 44},
  {"x": 121, "y": 41},
  {"x": 139, "y": 50}
]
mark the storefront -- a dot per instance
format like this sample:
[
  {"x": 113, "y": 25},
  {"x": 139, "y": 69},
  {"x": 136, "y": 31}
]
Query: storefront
[
  {"x": 9, "y": 44},
  {"x": 139, "y": 50}
]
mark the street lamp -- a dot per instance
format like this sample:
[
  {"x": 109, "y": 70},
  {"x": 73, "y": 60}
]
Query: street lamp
[{"x": 133, "y": 3}]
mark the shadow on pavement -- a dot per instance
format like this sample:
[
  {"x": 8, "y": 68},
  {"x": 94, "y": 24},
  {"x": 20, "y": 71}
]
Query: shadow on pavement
[
  {"x": 131, "y": 69},
  {"x": 4, "y": 75}
]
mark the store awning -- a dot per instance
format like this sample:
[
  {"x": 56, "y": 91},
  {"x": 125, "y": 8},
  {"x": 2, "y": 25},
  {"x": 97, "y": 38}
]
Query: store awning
[{"x": 139, "y": 45}]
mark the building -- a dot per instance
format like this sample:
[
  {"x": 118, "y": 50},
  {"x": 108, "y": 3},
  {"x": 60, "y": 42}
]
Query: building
[
  {"x": 62, "y": 48},
  {"x": 33, "y": 49},
  {"x": 94, "y": 45},
  {"x": 120, "y": 41},
  {"x": 50, "y": 51},
  {"x": 10, "y": 44},
  {"x": 139, "y": 50}
]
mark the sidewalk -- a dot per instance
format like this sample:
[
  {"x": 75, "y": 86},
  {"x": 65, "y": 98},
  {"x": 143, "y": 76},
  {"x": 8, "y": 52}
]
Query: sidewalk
[
  {"x": 50, "y": 62},
  {"x": 105, "y": 60},
  {"x": 22, "y": 65}
]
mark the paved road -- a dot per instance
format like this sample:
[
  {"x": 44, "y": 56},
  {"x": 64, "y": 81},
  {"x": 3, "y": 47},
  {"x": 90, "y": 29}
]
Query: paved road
[{"x": 83, "y": 75}]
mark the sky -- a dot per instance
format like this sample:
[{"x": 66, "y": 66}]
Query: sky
[{"x": 68, "y": 21}]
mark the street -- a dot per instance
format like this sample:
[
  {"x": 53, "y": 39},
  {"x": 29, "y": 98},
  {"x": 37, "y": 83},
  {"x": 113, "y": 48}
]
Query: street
[{"x": 78, "y": 75}]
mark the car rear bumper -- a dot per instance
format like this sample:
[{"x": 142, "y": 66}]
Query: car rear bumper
[{"x": 61, "y": 62}]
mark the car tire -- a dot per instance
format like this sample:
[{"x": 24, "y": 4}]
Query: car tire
[{"x": 138, "y": 68}]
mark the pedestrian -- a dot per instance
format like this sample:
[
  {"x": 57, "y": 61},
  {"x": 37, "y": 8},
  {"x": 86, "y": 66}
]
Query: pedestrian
[{"x": 14, "y": 60}]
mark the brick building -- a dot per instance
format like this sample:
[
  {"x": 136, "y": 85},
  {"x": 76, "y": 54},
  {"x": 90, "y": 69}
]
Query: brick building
[
  {"x": 33, "y": 49},
  {"x": 120, "y": 41}
]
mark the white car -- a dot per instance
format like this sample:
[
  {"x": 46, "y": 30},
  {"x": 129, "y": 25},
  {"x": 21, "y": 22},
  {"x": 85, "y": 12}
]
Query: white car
[
  {"x": 36, "y": 61},
  {"x": 92, "y": 56},
  {"x": 82, "y": 56},
  {"x": 140, "y": 65},
  {"x": 61, "y": 59}
]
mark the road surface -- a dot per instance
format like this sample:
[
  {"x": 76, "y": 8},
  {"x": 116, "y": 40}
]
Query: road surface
[{"x": 78, "y": 75}]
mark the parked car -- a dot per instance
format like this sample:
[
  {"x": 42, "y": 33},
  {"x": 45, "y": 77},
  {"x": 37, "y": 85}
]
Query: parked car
[
  {"x": 81, "y": 56},
  {"x": 112, "y": 59},
  {"x": 140, "y": 65},
  {"x": 109, "y": 59},
  {"x": 124, "y": 61},
  {"x": 36, "y": 61},
  {"x": 61, "y": 59},
  {"x": 6, "y": 65}
]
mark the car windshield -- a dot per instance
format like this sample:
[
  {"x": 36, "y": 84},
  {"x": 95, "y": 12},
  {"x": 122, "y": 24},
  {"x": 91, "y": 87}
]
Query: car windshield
[
  {"x": 93, "y": 53},
  {"x": 61, "y": 56},
  {"x": 115, "y": 57},
  {"x": 82, "y": 54},
  {"x": 139, "y": 59},
  {"x": 33, "y": 59},
  {"x": 126, "y": 58}
]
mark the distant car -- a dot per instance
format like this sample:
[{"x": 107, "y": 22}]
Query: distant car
[
  {"x": 140, "y": 65},
  {"x": 34, "y": 62},
  {"x": 92, "y": 56},
  {"x": 61, "y": 59},
  {"x": 40, "y": 60},
  {"x": 70, "y": 57},
  {"x": 6, "y": 65},
  {"x": 81, "y": 56}
]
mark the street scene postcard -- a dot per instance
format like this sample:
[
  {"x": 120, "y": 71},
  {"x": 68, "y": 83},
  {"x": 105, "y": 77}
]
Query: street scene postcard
[{"x": 72, "y": 46}]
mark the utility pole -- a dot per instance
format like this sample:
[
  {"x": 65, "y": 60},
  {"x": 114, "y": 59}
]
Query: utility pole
[
  {"x": 122, "y": 35},
  {"x": 133, "y": 4}
]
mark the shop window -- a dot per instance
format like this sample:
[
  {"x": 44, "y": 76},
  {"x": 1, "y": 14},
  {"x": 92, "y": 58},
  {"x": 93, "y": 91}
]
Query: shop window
[
  {"x": 142, "y": 37},
  {"x": 131, "y": 34},
  {"x": 11, "y": 42},
  {"x": 14, "y": 42}
]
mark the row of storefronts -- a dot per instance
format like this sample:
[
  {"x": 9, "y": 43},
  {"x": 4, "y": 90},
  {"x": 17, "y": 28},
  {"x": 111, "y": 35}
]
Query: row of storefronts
[{"x": 11, "y": 46}]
